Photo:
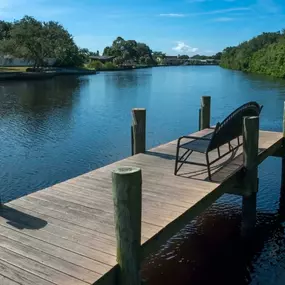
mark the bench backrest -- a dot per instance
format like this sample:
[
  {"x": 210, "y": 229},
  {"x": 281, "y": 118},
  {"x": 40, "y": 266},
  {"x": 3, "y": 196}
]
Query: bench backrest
[{"x": 231, "y": 127}]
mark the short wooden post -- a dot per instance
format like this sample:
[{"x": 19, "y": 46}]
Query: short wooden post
[
  {"x": 139, "y": 130},
  {"x": 205, "y": 116},
  {"x": 127, "y": 196},
  {"x": 132, "y": 140},
  {"x": 250, "y": 153}
]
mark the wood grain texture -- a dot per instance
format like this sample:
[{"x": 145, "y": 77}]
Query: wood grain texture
[
  {"x": 205, "y": 112},
  {"x": 138, "y": 138},
  {"x": 6, "y": 281},
  {"x": 65, "y": 234},
  {"x": 127, "y": 196},
  {"x": 250, "y": 154}
]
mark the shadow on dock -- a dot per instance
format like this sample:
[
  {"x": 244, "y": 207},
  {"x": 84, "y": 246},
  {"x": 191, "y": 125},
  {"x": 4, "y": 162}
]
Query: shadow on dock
[
  {"x": 21, "y": 220},
  {"x": 219, "y": 170}
]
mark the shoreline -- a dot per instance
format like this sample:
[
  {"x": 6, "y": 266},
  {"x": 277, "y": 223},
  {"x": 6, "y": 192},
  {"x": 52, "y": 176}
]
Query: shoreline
[
  {"x": 151, "y": 66},
  {"x": 5, "y": 76},
  {"x": 42, "y": 75}
]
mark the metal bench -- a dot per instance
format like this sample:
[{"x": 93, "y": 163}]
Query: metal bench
[{"x": 224, "y": 133}]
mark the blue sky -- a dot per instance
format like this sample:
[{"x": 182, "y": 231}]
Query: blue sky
[{"x": 171, "y": 26}]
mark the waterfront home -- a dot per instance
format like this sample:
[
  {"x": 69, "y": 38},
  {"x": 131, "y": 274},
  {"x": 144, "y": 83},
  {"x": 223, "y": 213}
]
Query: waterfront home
[
  {"x": 9, "y": 60},
  {"x": 172, "y": 60},
  {"x": 103, "y": 59}
]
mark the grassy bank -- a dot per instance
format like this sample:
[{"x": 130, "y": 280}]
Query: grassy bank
[{"x": 13, "y": 68}]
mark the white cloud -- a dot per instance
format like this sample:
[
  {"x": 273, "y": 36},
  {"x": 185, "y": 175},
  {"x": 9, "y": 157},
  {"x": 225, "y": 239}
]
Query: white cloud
[
  {"x": 222, "y": 11},
  {"x": 175, "y": 15},
  {"x": 181, "y": 47},
  {"x": 223, "y": 19},
  {"x": 213, "y": 12}
]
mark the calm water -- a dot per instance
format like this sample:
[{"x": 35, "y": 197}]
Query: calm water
[{"x": 54, "y": 130}]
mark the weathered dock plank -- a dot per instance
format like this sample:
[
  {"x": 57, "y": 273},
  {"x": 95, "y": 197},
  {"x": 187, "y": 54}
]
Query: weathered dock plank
[{"x": 65, "y": 234}]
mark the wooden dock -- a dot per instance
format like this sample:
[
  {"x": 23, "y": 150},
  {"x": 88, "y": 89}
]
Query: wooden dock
[{"x": 65, "y": 234}]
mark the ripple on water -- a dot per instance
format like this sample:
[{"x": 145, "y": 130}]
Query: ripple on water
[{"x": 56, "y": 129}]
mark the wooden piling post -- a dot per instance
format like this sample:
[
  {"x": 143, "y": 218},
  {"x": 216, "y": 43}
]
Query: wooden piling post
[
  {"x": 132, "y": 140},
  {"x": 250, "y": 154},
  {"x": 127, "y": 196},
  {"x": 138, "y": 130},
  {"x": 205, "y": 112},
  {"x": 199, "y": 122}
]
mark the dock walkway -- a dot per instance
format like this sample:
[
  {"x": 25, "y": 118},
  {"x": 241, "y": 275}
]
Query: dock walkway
[{"x": 65, "y": 234}]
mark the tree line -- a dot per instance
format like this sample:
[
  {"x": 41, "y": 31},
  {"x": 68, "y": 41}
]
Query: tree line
[
  {"x": 264, "y": 54},
  {"x": 130, "y": 51},
  {"x": 37, "y": 41}
]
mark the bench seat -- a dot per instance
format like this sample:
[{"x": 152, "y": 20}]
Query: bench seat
[{"x": 224, "y": 133}]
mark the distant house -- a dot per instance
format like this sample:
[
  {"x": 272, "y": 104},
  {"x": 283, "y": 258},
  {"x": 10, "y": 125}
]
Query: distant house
[
  {"x": 213, "y": 61},
  {"x": 172, "y": 60},
  {"x": 8, "y": 60},
  {"x": 102, "y": 58}
]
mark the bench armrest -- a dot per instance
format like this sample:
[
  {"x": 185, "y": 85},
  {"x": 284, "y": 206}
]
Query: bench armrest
[
  {"x": 191, "y": 137},
  {"x": 196, "y": 138}
]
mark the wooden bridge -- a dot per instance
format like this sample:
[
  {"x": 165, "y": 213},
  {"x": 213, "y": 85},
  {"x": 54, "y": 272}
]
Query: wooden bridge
[{"x": 66, "y": 234}]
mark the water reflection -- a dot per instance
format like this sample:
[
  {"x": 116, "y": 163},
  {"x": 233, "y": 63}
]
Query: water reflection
[
  {"x": 127, "y": 79},
  {"x": 35, "y": 117},
  {"x": 57, "y": 129},
  {"x": 39, "y": 97},
  {"x": 210, "y": 250}
]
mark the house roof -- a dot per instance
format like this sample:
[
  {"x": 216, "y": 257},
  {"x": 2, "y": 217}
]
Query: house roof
[
  {"x": 171, "y": 57},
  {"x": 103, "y": 57}
]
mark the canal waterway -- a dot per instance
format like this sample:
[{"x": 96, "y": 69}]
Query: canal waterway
[{"x": 52, "y": 130}]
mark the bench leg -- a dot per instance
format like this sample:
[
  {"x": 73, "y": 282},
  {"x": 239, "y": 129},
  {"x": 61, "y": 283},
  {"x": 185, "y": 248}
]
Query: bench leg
[
  {"x": 183, "y": 158},
  {"x": 208, "y": 166},
  {"x": 229, "y": 146},
  {"x": 176, "y": 160},
  {"x": 219, "y": 153}
]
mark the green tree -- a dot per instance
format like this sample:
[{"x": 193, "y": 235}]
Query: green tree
[
  {"x": 27, "y": 40},
  {"x": 201, "y": 57},
  {"x": 109, "y": 65},
  {"x": 35, "y": 41},
  {"x": 217, "y": 56},
  {"x": 129, "y": 51},
  {"x": 261, "y": 54},
  {"x": 183, "y": 56},
  {"x": 62, "y": 46},
  {"x": 118, "y": 60},
  {"x": 158, "y": 56},
  {"x": 5, "y": 29},
  {"x": 96, "y": 64}
]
